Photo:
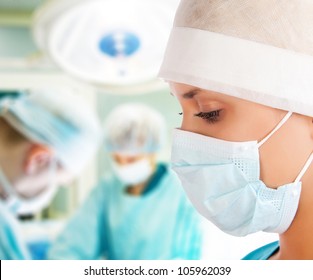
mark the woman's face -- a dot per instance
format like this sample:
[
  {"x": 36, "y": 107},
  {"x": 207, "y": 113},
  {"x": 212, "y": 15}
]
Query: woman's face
[
  {"x": 122, "y": 159},
  {"x": 234, "y": 119}
]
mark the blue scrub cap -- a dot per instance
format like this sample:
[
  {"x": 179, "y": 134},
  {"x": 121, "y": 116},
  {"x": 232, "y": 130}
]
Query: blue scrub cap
[{"x": 56, "y": 119}]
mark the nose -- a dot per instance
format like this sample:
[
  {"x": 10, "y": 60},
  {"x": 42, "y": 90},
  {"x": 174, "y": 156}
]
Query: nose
[
  {"x": 120, "y": 160},
  {"x": 124, "y": 159},
  {"x": 186, "y": 123}
]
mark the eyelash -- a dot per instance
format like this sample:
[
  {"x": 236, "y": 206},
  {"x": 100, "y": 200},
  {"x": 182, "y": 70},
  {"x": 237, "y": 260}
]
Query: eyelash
[{"x": 211, "y": 117}]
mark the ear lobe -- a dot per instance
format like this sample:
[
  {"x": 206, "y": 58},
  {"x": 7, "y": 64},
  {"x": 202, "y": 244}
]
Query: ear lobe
[{"x": 38, "y": 157}]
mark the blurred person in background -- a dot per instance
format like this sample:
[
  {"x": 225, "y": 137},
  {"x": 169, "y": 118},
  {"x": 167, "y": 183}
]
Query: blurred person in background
[
  {"x": 140, "y": 211},
  {"x": 46, "y": 138}
]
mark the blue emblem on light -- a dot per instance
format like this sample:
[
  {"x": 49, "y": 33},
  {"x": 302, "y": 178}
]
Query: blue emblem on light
[{"x": 119, "y": 43}]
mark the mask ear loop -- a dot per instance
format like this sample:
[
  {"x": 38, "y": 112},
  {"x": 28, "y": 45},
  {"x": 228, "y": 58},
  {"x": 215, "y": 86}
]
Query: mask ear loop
[
  {"x": 280, "y": 124},
  {"x": 304, "y": 169}
]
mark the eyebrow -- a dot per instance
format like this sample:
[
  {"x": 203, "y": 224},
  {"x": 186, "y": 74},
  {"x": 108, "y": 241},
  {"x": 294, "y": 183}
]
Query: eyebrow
[{"x": 189, "y": 94}]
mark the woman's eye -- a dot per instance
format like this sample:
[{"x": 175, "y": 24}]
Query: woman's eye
[
  {"x": 181, "y": 113},
  {"x": 211, "y": 117}
]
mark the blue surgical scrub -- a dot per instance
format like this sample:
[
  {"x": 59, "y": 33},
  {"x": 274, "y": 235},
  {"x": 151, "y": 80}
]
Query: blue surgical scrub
[
  {"x": 12, "y": 247},
  {"x": 111, "y": 224},
  {"x": 263, "y": 253}
]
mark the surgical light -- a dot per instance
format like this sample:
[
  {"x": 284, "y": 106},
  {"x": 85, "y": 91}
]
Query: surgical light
[{"x": 106, "y": 42}]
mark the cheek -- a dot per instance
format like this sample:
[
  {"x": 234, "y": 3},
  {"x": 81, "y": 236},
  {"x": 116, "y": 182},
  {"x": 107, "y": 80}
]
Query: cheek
[
  {"x": 283, "y": 156},
  {"x": 278, "y": 166}
]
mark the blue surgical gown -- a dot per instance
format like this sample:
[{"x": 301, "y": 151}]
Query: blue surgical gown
[
  {"x": 111, "y": 224},
  {"x": 264, "y": 252},
  {"x": 12, "y": 246}
]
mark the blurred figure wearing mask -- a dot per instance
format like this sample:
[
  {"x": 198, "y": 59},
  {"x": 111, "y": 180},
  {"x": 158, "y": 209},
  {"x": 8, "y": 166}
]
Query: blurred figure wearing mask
[
  {"x": 46, "y": 138},
  {"x": 140, "y": 211}
]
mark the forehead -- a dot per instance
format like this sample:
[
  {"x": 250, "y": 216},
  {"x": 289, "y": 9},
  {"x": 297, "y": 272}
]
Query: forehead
[
  {"x": 179, "y": 88},
  {"x": 203, "y": 96},
  {"x": 188, "y": 91}
]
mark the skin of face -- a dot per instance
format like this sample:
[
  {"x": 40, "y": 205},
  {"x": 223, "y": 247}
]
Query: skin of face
[
  {"x": 234, "y": 119},
  {"x": 123, "y": 159},
  {"x": 51, "y": 174},
  {"x": 30, "y": 170},
  {"x": 282, "y": 156}
]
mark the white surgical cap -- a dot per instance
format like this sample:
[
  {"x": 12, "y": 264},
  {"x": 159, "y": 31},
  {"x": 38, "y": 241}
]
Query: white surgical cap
[
  {"x": 134, "y": 129},
  {"x": 260, "y": 51},
  {"x": 57, "y": 119}
]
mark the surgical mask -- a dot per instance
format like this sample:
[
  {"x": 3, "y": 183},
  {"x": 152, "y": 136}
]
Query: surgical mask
[
  {"x": 133, "y": 173},
  {"x": 25, "y": 202},
  {"x": 222, "y": 180}
]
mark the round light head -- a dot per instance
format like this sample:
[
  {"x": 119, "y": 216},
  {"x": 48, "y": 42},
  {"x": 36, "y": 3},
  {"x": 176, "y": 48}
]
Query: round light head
[{"x": 111, "y": 42}]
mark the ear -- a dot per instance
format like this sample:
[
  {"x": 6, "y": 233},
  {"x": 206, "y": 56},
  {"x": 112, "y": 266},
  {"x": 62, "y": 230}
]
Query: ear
[{"x": 37, "y": 157}]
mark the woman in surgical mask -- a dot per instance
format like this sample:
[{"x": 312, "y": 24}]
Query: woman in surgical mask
[
  {"x": 242, "y": 72},
  {"x": 41, "y": 138},
  {"x": 140, "y": 211}
]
